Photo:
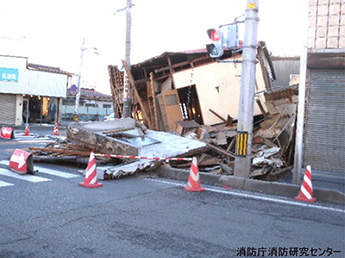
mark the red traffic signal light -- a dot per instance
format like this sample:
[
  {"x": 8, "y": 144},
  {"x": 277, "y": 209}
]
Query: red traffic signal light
[
  {"x": 216, "y": 48},
  {"x": 213, "y": 35}
]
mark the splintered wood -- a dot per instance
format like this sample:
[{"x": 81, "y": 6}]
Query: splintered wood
[{"x": 272, "y": 141}]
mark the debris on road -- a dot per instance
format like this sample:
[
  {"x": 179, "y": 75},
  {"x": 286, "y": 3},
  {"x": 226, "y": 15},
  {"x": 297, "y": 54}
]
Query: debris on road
[{"x": 121, "y": 137}]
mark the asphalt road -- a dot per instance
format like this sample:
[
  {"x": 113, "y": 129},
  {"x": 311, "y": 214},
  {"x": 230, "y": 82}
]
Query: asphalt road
[{"x": 144, "y": 216}]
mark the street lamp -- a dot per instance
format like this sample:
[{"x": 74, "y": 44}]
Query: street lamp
[{"x": 77, "y": 98}]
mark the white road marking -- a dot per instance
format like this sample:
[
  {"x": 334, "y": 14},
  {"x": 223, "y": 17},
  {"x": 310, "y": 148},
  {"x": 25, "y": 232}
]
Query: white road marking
[
  {"x": 4, "y": 162},
  {"x": 47, "y": 171},
  {"x": 21, "y": 136},
  {"x": 261, "y": 198},
  {"x": 35, "y": 141},
  {"x": 2, "y": 184},
  {"x": 55, "y": 172},
  {"x": 26, "y": 177}
]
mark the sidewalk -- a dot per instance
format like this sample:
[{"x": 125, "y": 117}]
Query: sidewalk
[
  {"x": 40, "y": 128},
  {"x": 328, "y": 188},
  {"x": 323, "y": 179}
]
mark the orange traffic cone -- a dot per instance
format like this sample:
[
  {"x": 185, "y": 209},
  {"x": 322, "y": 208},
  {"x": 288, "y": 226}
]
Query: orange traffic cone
[
  {"x": 193, "y": 184},
  {"x": 56, "y": 130},
  {"x": 91, "y": 180},
  {"x": 27, "y": 131},
  {"x": 306, "y": 192}
]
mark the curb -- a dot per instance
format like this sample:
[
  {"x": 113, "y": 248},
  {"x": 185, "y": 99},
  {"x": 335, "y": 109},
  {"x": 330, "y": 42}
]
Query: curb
[{"x": 288, "y": 190}]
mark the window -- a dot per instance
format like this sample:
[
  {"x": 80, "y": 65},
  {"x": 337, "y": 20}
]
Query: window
[
  {"x": 90, "y": 105},
  {"x": 171, "y": 100},
  {"x": 106, "y": 105}
]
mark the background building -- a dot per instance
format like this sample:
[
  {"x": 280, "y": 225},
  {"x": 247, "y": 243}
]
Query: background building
[
  {"x": 93, "y": 105},
  {"x": 32, "y": 91},
  {"x": 324, "y": 139}
]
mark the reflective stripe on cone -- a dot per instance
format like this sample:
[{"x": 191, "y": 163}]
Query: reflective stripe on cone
[
  {"x": 56, "y": 130},
  {"x": 91, "y": 180},
  {"x": 193, "y": 184},
  {"x": 306, "y": 192}
]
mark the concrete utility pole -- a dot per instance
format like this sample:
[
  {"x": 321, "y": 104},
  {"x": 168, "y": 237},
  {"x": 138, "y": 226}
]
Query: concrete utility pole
[
  {"x": 301, "y": 102},
  {"x": 127, "y": 88},
  {"x": 77, "y": 98},
  {"x": 246, "y": 105}
]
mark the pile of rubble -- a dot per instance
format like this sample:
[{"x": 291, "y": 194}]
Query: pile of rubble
[
  {"x": 214, "y": 146},
  {"x": 272, "y": 145}
]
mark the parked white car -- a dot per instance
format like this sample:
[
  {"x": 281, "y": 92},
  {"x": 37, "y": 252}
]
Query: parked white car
[{"x": 109, "y": 117}]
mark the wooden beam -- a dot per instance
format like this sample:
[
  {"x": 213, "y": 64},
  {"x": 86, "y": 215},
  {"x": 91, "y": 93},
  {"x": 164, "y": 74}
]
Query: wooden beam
[
  {"x": 182, "y": 64},
  {"x": 136, "y": 94},
  {"x": 61, "y": 150},
  {"x": 155, "y": 114},
  {"x": 171, "y": 70},
  {"x": 145, "y": 72},
  {"x": 220, "y": 151},
  {"x": 221, "y": 118},
  {"x": 261, "y": 108},
  {"x": 263, "y": 69}
]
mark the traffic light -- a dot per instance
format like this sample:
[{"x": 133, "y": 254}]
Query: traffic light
[
  {"x": 225, "y": 36},
  {"x": 215, "y": 49}
]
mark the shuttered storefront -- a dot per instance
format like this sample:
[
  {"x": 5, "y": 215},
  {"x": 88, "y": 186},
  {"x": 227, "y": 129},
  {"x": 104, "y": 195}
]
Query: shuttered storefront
[
  {"x": 8, "y": 109},
  {"x": 325, "y": 122}
]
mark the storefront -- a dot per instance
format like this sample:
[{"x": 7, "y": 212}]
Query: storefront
[{"x": 30, "y": 93}]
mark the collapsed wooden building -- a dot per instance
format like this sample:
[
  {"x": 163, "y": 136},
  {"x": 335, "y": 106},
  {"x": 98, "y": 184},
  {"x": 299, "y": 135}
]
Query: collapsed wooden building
[
  {"x": 192, "y": 95},
  {"x": 189, "y": 85},
  {"x": 189, "y": 91}
]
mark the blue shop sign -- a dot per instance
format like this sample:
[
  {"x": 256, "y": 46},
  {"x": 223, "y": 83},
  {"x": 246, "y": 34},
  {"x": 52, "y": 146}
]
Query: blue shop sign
[{"x": 9, "y": 74}]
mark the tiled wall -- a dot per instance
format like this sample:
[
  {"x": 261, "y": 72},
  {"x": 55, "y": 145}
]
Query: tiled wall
[{"x": 326, "y": 24}]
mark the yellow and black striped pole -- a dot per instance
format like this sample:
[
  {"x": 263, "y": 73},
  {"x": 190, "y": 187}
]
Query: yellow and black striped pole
[{"x": 241, "y": 144}]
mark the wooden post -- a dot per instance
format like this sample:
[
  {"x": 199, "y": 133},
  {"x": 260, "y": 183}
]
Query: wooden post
[{"x": 136, "y": 94}]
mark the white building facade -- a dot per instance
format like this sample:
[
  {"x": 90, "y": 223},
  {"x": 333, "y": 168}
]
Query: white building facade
[{"x": 29, "y": 91}]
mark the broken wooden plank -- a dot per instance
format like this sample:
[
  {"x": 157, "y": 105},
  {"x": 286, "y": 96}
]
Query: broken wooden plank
[
  {"x": 220, "y": 151},
  {"x": 232, "y": 144},
  {"x": 261, "y": 108},
  {"x": 60, "y": 150},
  {"x": 152, "y": 103},
  {"x": 217, "y": 115}
]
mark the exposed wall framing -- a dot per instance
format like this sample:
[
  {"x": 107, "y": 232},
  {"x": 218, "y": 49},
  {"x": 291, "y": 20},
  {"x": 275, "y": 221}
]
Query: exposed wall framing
[{"x": 149, "y": 79}]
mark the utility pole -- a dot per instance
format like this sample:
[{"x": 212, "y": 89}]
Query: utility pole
[
  {"x": 77, "y": 98},
  {"x": 301, "y": 102},
  {"x": 246, "y": 106},
  {"x": 127, "y": 88}
]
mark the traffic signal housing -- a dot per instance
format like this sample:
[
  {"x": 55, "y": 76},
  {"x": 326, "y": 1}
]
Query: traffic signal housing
[
  {"x": 231, "y": 36},
  {"x": 225, "y": 36},
  {"x": 215, "y": 49}
]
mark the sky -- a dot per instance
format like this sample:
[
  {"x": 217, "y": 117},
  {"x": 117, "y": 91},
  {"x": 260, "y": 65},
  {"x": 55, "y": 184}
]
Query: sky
[{"x": 51, "y": 32}]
